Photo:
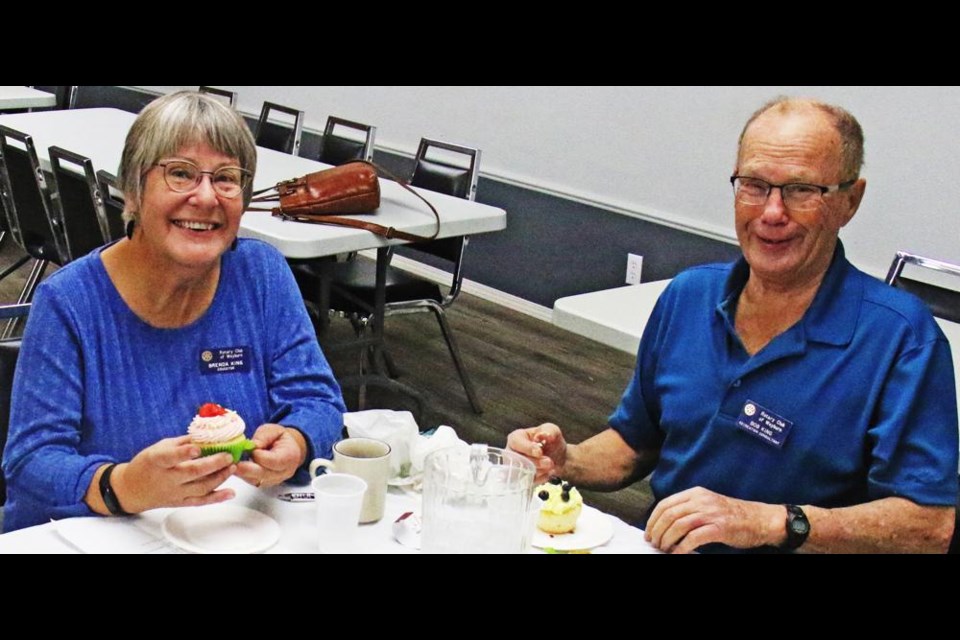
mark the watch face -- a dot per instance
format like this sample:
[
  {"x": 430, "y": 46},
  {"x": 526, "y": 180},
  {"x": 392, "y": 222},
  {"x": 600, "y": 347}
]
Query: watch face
[{"x": 800, "y": 526}]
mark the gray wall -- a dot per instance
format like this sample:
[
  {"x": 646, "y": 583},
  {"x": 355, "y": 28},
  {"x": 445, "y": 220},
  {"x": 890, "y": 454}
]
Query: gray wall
[{"x": 661, "y": 154}]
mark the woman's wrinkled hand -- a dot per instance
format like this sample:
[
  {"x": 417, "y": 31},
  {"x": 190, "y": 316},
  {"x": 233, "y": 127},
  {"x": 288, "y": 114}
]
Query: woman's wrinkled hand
[
  {"x": 280, "y": 452},
  {"x": 171, "y": 473}
]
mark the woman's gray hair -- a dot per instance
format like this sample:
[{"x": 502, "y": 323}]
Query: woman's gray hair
[{"x": 172, "y": 122}]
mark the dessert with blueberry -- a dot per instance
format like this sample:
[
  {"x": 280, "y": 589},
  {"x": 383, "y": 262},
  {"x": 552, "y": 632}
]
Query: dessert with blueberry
[{"x": 560, "y": 506}]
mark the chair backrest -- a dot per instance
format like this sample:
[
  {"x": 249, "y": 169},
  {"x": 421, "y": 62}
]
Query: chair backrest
[
  {"x": 444, "y": 174},
  {"x": 454, "y": 174},
  {"x": 277, "y": 136},
  {"x": 231, "y": 96},
  {"x": 338, "y": 149},
  {"x": 78, "y": 203},
  {"x": 943, "y": 302},
  {"x": 26, "y": 198},
  {"x": 112, "y": 206},
  {"x": 66, "y": 96},
  {"x": 9, "y": 351}
]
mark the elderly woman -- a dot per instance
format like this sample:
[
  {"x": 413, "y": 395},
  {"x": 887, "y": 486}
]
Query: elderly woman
[{"x": 123, "y": 345}]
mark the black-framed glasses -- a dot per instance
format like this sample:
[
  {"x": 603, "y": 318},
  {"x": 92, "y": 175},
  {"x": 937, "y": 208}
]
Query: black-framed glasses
[
  {"x": 797, "y": 196},
  {"x": 182, "y": 176}
]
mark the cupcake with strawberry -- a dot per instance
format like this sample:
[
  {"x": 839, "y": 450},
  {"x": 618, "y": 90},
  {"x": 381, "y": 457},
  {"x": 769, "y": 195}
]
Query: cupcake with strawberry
[{"x": 216, "y": 429}]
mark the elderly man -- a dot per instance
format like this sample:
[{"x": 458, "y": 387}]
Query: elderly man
[{"x": 786, "y": 401}]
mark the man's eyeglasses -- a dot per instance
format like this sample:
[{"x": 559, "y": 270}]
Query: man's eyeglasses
[
  {"x": 796, "y": 195},
  {"x": 182, "y": 176}
]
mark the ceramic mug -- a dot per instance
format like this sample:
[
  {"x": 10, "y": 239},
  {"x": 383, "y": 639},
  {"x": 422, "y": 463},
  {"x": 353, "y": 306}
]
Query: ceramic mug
[{"x": 368, "y": 459}]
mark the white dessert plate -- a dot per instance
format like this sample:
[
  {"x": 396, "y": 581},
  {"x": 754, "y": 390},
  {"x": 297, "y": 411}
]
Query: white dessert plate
[
  {"x": 221, "y": 528},
  {"x": 405, "y": 482},
  {"x": 594, "y": 528}
]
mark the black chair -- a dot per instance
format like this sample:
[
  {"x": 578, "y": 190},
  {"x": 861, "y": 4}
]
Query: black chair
[
  {"x": 9, "y": 351},
  {"x": 26, "y": 199},
  {"x": 277, "y": 136},
  {"x": 353, "y": 284},
  {"x": 77, "y": 202},
  {"x": 943, "y": 302},
  {"x": 66, "y": 96},
  {"x": 6, "y": 235},
  {"x": 231, "y": 96},
  {"x": 112, "y": 206},
  {"x": 337, "y": 149}
]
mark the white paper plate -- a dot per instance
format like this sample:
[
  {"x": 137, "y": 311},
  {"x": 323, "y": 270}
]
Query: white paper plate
[
  {"x": 405, "y": 482},
  {"x": 594, "y": 528},
  {"x": 221, "y": 528}
]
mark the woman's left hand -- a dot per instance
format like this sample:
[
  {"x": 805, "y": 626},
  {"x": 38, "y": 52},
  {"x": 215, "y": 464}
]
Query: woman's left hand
[{"x": 280, "y": 451}]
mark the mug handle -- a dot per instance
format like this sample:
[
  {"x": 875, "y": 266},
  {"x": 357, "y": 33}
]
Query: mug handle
[{"x": 320, "y": 462}]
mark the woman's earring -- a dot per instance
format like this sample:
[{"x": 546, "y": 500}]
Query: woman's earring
[{"x": 128, "y": 230}]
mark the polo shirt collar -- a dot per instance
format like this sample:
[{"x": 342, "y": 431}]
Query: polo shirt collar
[{"x": 833, "y": 314}]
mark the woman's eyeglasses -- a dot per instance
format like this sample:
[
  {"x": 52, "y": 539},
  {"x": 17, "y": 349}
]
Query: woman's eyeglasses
[{"x": 182, "y": 176}]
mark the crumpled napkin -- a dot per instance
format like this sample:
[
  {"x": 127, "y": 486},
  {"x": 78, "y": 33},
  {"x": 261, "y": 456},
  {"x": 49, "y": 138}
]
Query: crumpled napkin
[
  {"x": 442, "y": 438},
  {"x": 397, "y": 428}
]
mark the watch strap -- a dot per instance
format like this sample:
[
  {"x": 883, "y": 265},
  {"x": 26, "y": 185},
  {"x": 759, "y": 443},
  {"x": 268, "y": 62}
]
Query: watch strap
[
  {"x": 107, "y": 493},
  {"x": 798, "y": 527}
]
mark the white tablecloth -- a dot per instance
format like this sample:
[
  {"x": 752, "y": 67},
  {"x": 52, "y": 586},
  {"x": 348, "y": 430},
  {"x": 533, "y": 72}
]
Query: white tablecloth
[{"x": 297, "y": 525}]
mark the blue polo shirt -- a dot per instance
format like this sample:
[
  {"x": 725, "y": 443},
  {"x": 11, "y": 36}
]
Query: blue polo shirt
[{"x": 853, "y": 403}]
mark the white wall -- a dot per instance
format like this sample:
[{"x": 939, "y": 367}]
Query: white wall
[{"x": 667, "y": 152}]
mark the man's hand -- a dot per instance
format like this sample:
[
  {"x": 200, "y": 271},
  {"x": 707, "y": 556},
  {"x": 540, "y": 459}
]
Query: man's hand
[
  {"x": 544, "y": 445},
  {"x": 687, "y": 520}
]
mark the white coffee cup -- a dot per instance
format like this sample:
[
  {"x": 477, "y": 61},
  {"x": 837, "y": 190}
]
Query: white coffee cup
[
  {"x": 339, "y": 498},
  {"x": 368, "y": 459}
]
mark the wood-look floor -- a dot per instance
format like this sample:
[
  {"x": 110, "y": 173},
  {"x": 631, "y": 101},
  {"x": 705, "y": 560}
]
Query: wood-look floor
[{"x": 525, "y": 371}]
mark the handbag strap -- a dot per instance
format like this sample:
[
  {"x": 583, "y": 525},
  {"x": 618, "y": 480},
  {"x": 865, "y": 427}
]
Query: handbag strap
[
  {"x": 378, "y": 229},
  {"x": 373, "y": 227}
]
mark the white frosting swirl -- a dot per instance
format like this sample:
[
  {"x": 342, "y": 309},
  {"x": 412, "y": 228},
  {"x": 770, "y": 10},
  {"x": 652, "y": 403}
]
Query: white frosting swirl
[{"x": 216, "y": 428}]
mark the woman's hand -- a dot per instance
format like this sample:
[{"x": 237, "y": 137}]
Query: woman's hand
[
  {"x": 280, "y": 452},
  {"x": 170, "y": 473},
  {"x": 544, "y": 445}
]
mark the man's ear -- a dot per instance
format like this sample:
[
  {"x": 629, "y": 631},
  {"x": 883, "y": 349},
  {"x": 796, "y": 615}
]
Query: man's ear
[{"x": 854, "y": 198}]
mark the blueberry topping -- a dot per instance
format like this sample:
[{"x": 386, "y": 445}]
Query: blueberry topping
[
  {"x": 565, "y": 496},
  {"x": 543, "y": 495},
  {"x": 567, "y": 486},
  {"x": 555, "y": 480}
]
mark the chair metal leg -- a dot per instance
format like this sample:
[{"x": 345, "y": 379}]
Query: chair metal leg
[
  {"x": 26, "y": 295},
  {"x": 33, "y": 280},
  {"x": 16, "y": 265},
  {"x": 389, "y": 362},
  {"x": 457, "y": 361},
  {"x": 360, "y": 329}
]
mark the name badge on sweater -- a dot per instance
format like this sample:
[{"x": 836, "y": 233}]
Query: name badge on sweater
[
  {"x": 224, "y": 360},
  {"x": 764, "y": 424}
]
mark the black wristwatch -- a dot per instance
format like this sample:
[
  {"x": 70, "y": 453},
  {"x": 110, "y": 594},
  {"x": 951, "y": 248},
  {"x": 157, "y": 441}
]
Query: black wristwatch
[
  {"x": 106, "y": 492},
  {"x": 798, "y": 528}
]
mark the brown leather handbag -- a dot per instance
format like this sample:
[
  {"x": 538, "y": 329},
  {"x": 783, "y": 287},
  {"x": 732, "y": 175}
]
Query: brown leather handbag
[{"x": 323, "y": 196}]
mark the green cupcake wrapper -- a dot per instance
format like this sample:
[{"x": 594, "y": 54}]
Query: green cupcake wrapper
[{"x": 236, "y": 448}]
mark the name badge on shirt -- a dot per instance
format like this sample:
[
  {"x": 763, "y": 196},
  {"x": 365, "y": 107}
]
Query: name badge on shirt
[
  {"x": 764, "y": 424},
  {"x": 224, "y": 360}
]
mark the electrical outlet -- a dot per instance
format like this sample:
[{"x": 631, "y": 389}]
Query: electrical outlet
[{"x": 634, "y": 266}]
